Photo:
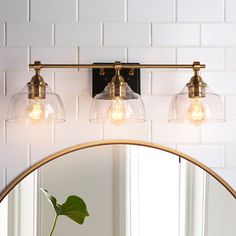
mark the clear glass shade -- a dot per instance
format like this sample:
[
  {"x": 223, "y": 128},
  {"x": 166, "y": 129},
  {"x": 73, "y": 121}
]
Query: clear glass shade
[
  {"x": 34, "y": 111},
  {"x": 196, "y": 111},
  {"x": 117, "y": 110}
]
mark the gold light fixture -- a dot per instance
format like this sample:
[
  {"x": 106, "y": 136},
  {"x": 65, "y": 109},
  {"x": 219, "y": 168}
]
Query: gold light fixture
[
  {"x": 36, "y": 103},
  {"x": 196, "y": 103},
  {"x": 117, "y": 103}
]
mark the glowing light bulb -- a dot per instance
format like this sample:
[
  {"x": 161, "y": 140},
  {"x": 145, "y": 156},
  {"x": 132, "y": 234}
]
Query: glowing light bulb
[
  {"x": 196, "y": 113},
  {"x": 35, "y": 111},
  {"x": 117, "y": 112}
]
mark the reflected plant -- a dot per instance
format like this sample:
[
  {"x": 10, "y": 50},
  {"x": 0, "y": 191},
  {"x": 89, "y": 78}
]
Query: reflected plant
[{"x": 74, "y": 208}]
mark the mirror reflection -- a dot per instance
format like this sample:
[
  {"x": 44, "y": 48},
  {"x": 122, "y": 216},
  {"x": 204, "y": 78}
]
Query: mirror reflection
[{"x": 128, "y": 190}]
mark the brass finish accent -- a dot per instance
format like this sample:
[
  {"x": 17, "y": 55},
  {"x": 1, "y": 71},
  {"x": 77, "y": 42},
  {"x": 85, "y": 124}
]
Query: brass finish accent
[
  {"x": 196, "y": 86},
  {"x": 102, "y": 71},
  {"x": 122, "y": 65},
  {"x": 117, "y": 86},
  {"x": 131, "y": 72},
  {"x": 37, "y": 86},
  {"x": 110, "y": 142}
]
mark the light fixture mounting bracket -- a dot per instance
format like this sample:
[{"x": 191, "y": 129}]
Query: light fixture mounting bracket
[{"x": 102, "y": 76}]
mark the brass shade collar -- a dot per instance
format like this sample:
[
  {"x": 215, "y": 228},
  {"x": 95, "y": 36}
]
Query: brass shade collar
[
  {"x": 196, "y": 86},
  {"x": 37, "y": 86},
  {"x": 117, "y": 86}
]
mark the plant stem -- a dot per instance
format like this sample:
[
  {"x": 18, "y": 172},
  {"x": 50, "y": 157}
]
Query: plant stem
[{"x": 54, "y": 225}]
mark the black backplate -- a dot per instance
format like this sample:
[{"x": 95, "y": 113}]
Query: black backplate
[{"x": 101, "y": 81}]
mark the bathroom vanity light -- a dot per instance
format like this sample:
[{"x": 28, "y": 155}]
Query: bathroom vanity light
[
  {"x": 36, "y": 103},
  {"x": 114, "y": 100},
  {"x": 117, "y": 103},
  {"x": 196, "y": 103}
]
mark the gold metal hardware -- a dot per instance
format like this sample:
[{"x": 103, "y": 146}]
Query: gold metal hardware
[
  {"x": 121, "y": 65},
  {"x": 37, "y": 86},
  {"x": 117, "y": 86},
  {"x": 131, "y": 72},
  {"x": 113, "y": 142},
  {"x": 102, "y": 71},
  {"x": 196, "y": 86}
]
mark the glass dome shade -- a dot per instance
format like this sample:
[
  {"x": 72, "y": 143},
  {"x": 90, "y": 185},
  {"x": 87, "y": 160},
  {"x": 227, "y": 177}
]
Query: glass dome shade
[
  {"x": 197, "y": 110},
  {"x": 25, "y": 110},
  {"x": 117, "y": 110}
]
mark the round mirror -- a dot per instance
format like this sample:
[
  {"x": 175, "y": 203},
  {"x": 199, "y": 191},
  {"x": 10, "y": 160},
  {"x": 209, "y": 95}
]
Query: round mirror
[{"x": 118, "y": 188}]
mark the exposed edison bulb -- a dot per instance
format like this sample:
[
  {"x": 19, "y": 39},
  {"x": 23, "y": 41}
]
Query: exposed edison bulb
[
  {"x": 196, "y": 113},
  {"x": 35, "y": 111},
  {"x": 117, "y": 112}
]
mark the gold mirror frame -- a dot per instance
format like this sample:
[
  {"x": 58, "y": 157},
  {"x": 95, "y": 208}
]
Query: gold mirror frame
[{"x": 110, "y": 142}]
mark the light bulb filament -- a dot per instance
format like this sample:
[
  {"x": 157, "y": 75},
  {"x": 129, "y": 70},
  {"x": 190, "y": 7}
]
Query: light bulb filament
[
  {"x": 196, "y": 113},
  {"x": 35, "y": 111},
  {"x": 117, "y": 112}
]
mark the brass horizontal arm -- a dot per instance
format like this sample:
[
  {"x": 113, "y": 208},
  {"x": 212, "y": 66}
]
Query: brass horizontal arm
[{"x": 38, "y": 65}]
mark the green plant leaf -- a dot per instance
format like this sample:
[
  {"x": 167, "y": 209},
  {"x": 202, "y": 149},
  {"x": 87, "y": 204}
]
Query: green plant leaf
[
  {"x": 74, "y": 207},
  {"x": 53, "y": 201}
]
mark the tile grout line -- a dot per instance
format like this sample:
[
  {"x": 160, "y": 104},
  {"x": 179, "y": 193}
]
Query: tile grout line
[
  {"x": 150, "y": 34},
  {"x": 28, "y": 11},
  {"x": 53, "y": 34},
  {"x": 150, "y": 82},
  {"x": 176, "y": 55},
  {"x": 4, "y": 83},
  {"x": 102, "y": 34},
  {"x": 77, "y": 11},
  {"x": 175, "y": 11},
  {"x": 224, "y": 9},
  {"x": 5, "y": 34},
  {"x": 126, "y": 11},
  {"x": 29, "y": 56}
]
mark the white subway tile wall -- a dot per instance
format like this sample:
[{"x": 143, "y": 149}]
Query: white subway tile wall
[
  {"x": 12, "y": 58},
  {"x": 230, "y": 57},
  {"x": 200, "y": 11},
  {"x": 53, "y": 10},
  {"x": 78, "y": 34},
  {"x": 102, "y": 54},
  {"x": 213, "y": 57},
  {"x": 151, "y": 10},
  {"x": 129, "y": 34},
  {"x": 103, "y": 10},
  {"x": 29, "y": 34},
  {"x": 145, "y": 31},
  {"x": 152, "y": 55},
  {"x": 176, "y": 34},
  {"x": 2, "y": 82},
  {"x": 218, "y": 34},
  {"x": 2, "y": 26},
  {"x": 230, "y": 10},
  {"x": 14, "y": 11}
]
